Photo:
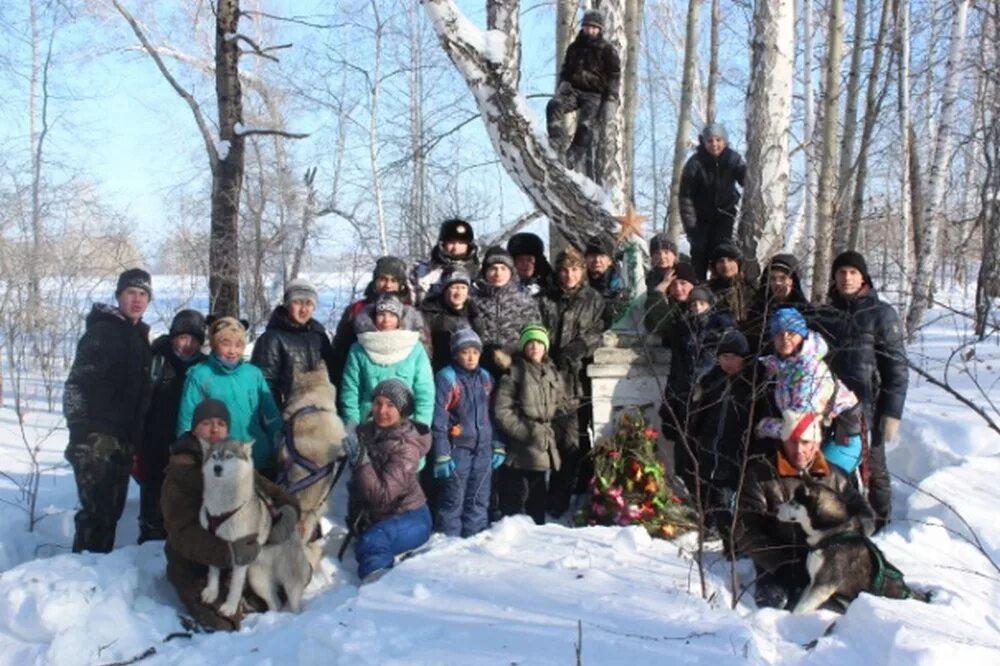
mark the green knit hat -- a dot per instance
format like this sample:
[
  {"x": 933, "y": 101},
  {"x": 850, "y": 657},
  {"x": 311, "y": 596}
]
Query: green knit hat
[{"x": 535, "y": 332}]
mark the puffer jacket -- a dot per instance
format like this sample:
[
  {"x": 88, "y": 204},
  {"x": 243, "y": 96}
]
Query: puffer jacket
[
  {"x": 663, "y": 316},
  {"x": 379, "y": 355},
  {"x": 733, "y": 296},
  {"x": 574, "y": 320},
  {"x": 108, "y": 387},
  {"x": 804, "y": 383},
  {"x": 592, "y": 65},
  {"x": 441, "y": 320},
  {"x": 427, "y": 274},
  {"x": 498, "y": 314},
  {"x": 612, "y": 288},
  {"x": 692, "y": 352},
  {"x": 286, "y": 347},
  {"x": 190, "y": 548},
  {"x": 462, "y": 410},
  {"x": 253, "y": 411},
  {"x": 387, "y": 485},
  {"x": 527, "y": 399},
  {"x": 708, "y": 194},
  {"x": 868, "y": 351},
  {"x": 774, "y": 545}
]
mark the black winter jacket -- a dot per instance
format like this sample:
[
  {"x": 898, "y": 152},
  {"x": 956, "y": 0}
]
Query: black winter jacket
[
  {"x": 868, "y": 352},
  {"x": 708, "y": 193},
  {"x": 592, "y": 65},
  {"x": 167, "y": 374},
  {"x": 574, "y": 320},
  {"x": 441, "y": 320},
  {"x": 286, "y": 347},
  {"x": 498, "y": 314},
  {"x": 107, "y": 390},
  {"x": 733, "y": 296}
]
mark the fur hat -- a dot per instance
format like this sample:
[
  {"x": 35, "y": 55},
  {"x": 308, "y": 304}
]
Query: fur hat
[
  {"x": 398, "y": 393},
  {"x": 714, "y": 129},
  {"x": 788, "y": 319},
  {"x": 134, "y": 277},
  {"x": 390, "y": 267},
  {"x": 525, "y": 243},
  {"x": 210, "y": 408},
  {"x": 224, "y": 326},
  {"x": 456, "y": 229},
  {"x": 661, "y": 241},
  {"x": 188, "y": 322},
  {"x": 701, "y": 293},
  {"x": 390, "y": 303},
  {"x": 570, "y": 257},
  {"x": 594, "y": 18},
  {"x": 456, "y": 275},
  {"x": 733, "y": 342},
  {"x": 685, "y": 271},
  {"x": 462, "y": 338},
  {"x": 301, "y": 289},
  {"x": 498, "y": 255},
  {"x": 600, "y": 244},
  {"x": 727, "y": 250},
  {"x": 853, "y": 259},
  {"x": 805, "y": 426},
  {"x": 533, "y": 332}
]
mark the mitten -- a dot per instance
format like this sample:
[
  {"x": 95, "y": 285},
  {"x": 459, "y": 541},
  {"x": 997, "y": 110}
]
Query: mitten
[
  {"x": 499, "y": 455},
  {"x": 244, "y": 551},
  {"x": 444, "y": 467},
  {"x": 889, "y": 427}
]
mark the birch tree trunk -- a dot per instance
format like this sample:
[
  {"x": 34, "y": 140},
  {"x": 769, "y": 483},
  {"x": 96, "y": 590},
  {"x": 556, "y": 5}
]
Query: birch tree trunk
[
  {"x": 418, "y": 187},
  {"x": 630, "y": 88},
  {"x": 842, "y": 232},
  {"x": 713, "y": 63},
  {"x": 808, "y": 230},
  {"x": 902, "y": 43},
  {"x": 933, "y": 215},
  {"x": 684, "y": 113},
  {"x": 769, "y": 105},
  {"x": 827, "y": 195},
  {"x": 565, "y": 29}
]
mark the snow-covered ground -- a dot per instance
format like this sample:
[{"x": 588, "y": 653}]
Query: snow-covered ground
[{"x": 521, "y": 594}]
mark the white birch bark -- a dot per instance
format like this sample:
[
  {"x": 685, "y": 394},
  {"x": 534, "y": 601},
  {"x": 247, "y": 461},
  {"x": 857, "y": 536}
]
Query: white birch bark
[
  {"x": 373, "y": 142},
  {"x": 684, "y": 113},
  {"x": 807, "y": 228},
  {"x": 845, "y": 200},
  {"x": 902, "y": 20},
  {"x": 933, "y": 214},
  {"x": 769, "y": 105}
]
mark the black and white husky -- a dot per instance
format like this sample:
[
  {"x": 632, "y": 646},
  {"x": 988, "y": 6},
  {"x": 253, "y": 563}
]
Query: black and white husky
[
  {"x": 843, "y": 562},
  {"x": 232, "y": 509}
]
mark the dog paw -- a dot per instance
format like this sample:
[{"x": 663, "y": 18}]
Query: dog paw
[
  {"x": 228, "y": 609},
  {"x": 209, "y": 595}
]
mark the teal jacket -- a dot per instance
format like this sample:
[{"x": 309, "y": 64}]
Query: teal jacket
[
  {"x": 379, "y": 355},
  {"x": 253, "y": 412}
]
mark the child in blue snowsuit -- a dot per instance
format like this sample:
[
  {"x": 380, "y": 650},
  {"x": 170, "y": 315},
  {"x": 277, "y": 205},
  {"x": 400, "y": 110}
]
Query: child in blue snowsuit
[{"x": 464, "y": 451}]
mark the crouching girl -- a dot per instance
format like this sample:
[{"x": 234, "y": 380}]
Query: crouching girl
[{"x": 387, "y": 510}]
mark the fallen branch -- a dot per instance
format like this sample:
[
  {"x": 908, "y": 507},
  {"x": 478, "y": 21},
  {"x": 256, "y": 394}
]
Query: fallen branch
[
  {"x": 150, "y": 651},
  {"x": 958, "y": 396}
]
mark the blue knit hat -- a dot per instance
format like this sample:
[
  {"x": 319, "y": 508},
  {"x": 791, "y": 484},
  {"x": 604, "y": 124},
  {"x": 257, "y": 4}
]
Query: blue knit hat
[
  {"x": 788, "y": 319},
  {"x": 464, "y": 337}
]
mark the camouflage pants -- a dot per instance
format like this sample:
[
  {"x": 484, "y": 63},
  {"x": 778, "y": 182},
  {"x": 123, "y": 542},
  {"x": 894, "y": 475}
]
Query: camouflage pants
[{"x": 101, "y": 465}]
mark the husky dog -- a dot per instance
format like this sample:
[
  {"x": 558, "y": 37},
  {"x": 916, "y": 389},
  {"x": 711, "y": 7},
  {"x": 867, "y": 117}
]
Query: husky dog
[
  {"x": 843, "y": 562},
  {"x": 314, "y": 435},
  {"x": 232, "y": 509}
]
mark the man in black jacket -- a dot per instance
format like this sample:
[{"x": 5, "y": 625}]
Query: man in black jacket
[
  {"x": 869, "y": 356},
  {"x": 708, "y": 194},
  {"x": 104, "y": 403},
  {"x": 588, "y": 84}
]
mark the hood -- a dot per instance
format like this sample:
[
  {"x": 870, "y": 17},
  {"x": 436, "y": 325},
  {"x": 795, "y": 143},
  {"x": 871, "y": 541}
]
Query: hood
[
  {"x": 104, "y": 313},
  {"x": 440, "y": 257},
  {"x": 364, "y": 321},
  {"x": 388, "y": 347}
]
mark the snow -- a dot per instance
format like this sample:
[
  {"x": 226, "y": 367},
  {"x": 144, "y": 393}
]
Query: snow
[{"x": 523, "y": 594}]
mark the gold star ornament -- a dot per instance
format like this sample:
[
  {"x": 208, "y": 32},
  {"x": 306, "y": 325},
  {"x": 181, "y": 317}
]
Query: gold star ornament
[{"x": 631, "y": 224}]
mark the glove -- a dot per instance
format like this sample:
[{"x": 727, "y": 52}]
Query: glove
[
  {"x": 501, "y": 359},
  {"x": 889, "y": 427},
  {"x": 564, "y": 88},
  {"x": 283, "y": 525},
  {"x": 352, "y": 449},
  {"x": 444, "y": 467},
  {"x": 771, "y": 595},
  {"x": 499, "y": 455},
  {"x": 244, "y": 551}
]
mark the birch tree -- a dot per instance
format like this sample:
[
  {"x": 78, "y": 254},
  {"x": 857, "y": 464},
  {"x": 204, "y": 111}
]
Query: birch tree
[
  {"x": 769, "y": 104},
  {"x": 684, "y": 112},
  {"x": 841, "y": 230}
]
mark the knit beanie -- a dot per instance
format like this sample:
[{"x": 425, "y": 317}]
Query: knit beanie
[
  {"x": 390, "y": 267},
  {"x": 210, "y": 408},
  {"x": 398, "y": 393},
  {"x": 727, "y": 250},
  {"x": 661, "y": 241},
  {"x": 463, "y": 338},
  {"x": 390, "y": 303},
  {"x": 805, "y": 426},
  {"x": 853, "y": 259},
  {"x": 498, "y": 255},
  {"x": 535, "y": 332},
  {"x": 788, "y": 319},
  {"x": 134, "y": 277},
  {"x": 600, "y": 244},
  {"x": 188, "y": 322},
  {"x": 733, "y": 342},
  {"x": 594, "y": 18},
  {"x": 525, "y": 243},
  {"x": 224, "y": 326},
  {"x": 455, "y": 275},
  {"x": 301, "y": 289},
  {"x": 570, "y": 257},
  {"x": 701, "y": 293},
  {"x": 456, "y": 229},
  {"x": 714, "y": 129},
  {"x": 685, "y": 271}
]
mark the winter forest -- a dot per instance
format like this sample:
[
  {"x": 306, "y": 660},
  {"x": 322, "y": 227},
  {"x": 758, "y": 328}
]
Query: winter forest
[{"x": 230, "y": 147}]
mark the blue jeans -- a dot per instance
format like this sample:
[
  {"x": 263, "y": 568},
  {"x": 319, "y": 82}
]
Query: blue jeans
[
  {"x": 382, "y": 542},
  {"x": 462, "y": 502}
]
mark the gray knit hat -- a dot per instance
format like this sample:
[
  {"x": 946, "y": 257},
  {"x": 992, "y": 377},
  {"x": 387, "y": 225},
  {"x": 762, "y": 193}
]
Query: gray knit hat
[
  {"x": 714, "y": 129},
  {"x": 301, "y": 289},
  {"x": 498, "y": 255},
  {"x": 398, "y": 393},
  {"x": 210, "y": 408},
  {"x": 464, "y": 337},
  {"x": 456, "y": 275},
  {"x": 662, "y": 241},
  {"x": 390, "y": 303}
]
